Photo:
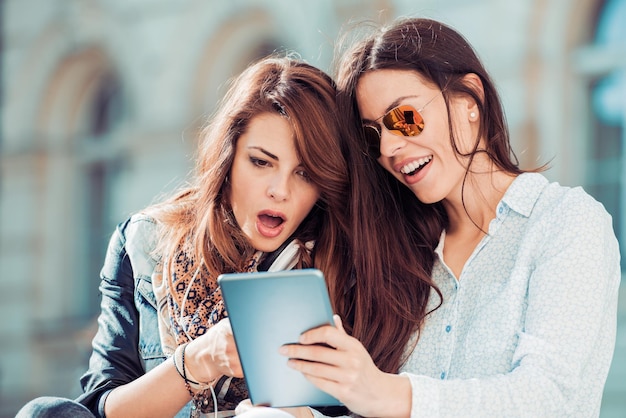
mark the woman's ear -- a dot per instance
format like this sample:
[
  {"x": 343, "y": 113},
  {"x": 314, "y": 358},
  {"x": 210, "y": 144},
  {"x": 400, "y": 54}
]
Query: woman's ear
[{"x": 474, "y": 83}]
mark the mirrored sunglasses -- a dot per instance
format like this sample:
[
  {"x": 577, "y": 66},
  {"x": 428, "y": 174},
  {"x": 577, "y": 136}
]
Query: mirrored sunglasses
[{"x": 403, "y": 120}]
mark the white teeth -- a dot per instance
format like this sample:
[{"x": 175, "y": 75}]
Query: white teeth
[{"x": 414, "y": 165}]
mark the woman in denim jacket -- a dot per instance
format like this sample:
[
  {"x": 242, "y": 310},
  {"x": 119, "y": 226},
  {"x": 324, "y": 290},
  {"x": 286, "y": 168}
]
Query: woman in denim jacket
[{"x": 271, "y": 180}]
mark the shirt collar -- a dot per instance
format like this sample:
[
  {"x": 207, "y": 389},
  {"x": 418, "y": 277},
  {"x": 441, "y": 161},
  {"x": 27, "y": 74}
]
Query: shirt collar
[
  {"x": 520, "y": 197},
  {"x": 524, "y": 192}
]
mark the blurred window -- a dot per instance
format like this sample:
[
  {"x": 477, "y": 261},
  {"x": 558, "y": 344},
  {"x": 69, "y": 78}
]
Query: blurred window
[
  {"x": 606, "y": 176},
  {"x": 100, "y": 168}
]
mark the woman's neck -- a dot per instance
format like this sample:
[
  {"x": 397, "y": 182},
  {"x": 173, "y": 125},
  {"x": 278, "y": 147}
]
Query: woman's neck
[
  {"x": 469, "y": 217},
  {"x": 475, "y": 204}
]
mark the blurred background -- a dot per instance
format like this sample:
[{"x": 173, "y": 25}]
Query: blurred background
[{"x": 102, "y": 100}]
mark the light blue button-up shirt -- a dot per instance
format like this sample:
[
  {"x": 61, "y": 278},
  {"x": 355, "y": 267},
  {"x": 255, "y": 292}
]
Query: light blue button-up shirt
[{"x": 529, "y": 327}]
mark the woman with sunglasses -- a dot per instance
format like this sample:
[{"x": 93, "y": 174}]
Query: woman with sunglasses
[
  {"x": 271, "y": 181},
  {"x": 520, "y": 319}
]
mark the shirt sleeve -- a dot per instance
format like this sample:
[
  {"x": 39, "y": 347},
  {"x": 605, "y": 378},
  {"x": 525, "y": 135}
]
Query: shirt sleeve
[
  {"x": 115, "y": 357},
  {"x": 566, "y": 344}
]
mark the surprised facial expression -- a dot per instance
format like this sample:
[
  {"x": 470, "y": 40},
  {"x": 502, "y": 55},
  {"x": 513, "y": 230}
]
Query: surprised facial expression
[{"x": 271, "y": 192}]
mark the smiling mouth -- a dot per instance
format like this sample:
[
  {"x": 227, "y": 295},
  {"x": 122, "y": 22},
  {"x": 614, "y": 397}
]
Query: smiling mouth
[
  {"x": 271, "y": 221},
  {"x": 414, "y": 166}
]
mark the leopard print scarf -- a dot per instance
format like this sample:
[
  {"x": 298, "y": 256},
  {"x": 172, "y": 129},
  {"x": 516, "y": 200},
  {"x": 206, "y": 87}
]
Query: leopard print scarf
[{"x": 189, "y": 302}]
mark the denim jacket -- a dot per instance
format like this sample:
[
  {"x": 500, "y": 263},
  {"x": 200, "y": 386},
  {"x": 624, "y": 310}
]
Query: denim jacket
[{"x": 127, "y": 344}]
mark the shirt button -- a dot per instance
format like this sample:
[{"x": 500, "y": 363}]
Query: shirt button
[
  {"x": 443, "y": 375},
  {"x": 448, "y": 328},
  {"x": 500, "y": 210}
]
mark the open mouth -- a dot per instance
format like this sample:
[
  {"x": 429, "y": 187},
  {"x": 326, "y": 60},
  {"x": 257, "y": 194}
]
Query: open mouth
[
  {"x": 413, "y": 167},
  {"x": 270, "y": 224},
  {"x": 271, "y": 221}
]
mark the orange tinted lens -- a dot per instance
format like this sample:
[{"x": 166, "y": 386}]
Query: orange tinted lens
[{"x": 404, "y": 121}]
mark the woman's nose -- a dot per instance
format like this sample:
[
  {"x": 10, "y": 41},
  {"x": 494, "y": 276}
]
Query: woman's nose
[
  {"x": 390, "y": 143},
  {"x": 278, "y": 188}
]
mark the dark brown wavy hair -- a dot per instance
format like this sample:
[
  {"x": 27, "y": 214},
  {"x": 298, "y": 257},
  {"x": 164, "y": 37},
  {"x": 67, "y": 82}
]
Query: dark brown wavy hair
[
  {"x": 394, "y": 234},
  {"x": 201, "y": 211}
]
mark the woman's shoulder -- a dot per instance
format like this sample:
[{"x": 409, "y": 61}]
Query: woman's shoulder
[
  {"x": 550, "y": 195},
  {"x": 572, "y": 199},
  {"x": 142, "y": 221},
  {"x": 140, "y": 232},
  {"x": 569, "y": 207},
  {"x": 576, "y": 225}
]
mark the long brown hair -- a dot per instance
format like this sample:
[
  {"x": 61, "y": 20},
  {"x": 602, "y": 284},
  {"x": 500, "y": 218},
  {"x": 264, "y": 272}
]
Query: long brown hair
[
  {"x": 201, "y": 212},
  {"x": 394, "y": 234}
]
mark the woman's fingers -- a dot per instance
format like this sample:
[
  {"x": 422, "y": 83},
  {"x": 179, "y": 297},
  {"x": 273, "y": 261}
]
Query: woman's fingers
[
  {"x": 216, "y": 351},
  {"x": 338, "y": 322},
  {"x": 333, "y": 336},
  {"x": 340, "y": 365},
  {"x": 326, "y": 352},
  {"x": 227, "y": 343},
  {"x": 313, "y": 353},
  {"x": 325, "y": 371},
  {"x": 226, "y": 349}
]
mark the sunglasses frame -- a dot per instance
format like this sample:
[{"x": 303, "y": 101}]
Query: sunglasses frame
[{"x": 374, "y": 149}]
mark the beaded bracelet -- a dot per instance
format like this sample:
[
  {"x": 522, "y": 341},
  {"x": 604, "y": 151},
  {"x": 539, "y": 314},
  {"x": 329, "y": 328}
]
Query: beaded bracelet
[
  {"x": 199, "y": 392},
  {"x": 179, "y": 363}
]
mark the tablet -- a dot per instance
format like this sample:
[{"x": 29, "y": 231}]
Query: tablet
[{"x": 266, "y": 311}]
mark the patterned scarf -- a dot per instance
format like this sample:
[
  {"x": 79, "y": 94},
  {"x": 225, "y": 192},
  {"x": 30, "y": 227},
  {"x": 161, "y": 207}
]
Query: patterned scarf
[{"x": 189, "y": 302}]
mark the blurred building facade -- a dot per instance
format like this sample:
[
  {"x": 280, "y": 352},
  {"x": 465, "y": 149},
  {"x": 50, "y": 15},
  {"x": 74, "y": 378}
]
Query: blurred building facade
[{"x": 102, "y": 101}]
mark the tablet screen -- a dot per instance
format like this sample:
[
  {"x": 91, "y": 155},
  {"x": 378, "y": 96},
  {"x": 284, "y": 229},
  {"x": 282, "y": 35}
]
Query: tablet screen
[{"x": 266, "y": 311}]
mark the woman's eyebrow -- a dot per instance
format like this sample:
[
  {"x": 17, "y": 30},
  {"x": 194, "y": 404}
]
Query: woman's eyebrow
[{"x": 264, "y": 151}]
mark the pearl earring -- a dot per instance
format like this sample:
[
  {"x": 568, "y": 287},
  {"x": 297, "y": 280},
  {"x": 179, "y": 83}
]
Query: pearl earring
[{"x": 472, "y": 115}]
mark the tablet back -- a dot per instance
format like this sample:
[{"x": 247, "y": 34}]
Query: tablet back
[{"x": 267, "y": 310}]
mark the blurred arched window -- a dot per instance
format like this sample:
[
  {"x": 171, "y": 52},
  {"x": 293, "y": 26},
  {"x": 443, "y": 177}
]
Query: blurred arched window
[
  {"x": 606, "y": 177},
  {"x": 101, "y": 164}
]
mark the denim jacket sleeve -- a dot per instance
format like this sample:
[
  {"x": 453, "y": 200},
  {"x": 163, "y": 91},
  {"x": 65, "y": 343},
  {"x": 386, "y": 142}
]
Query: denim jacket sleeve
[{"x": 116, "y": 358}]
